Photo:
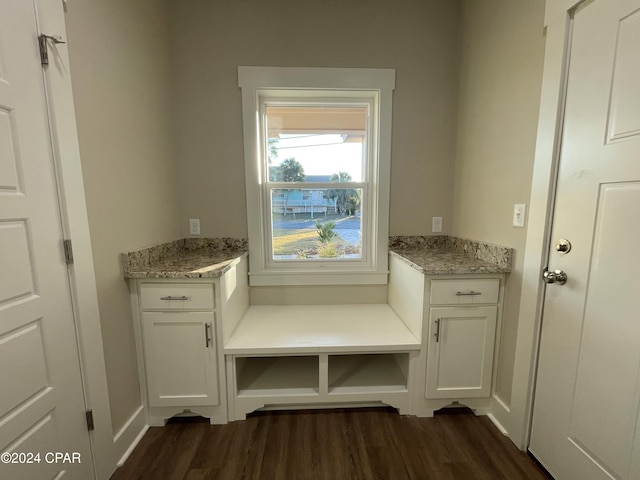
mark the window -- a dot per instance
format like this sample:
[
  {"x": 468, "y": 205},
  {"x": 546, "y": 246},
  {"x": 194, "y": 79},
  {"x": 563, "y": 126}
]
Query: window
[
  {"x": 317, "y": 161},
  {"x": 316, "y": 178}
]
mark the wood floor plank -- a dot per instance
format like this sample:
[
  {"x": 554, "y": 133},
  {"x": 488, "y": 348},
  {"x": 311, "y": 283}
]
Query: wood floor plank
[
  {"x": 340, "y": 444},
  {"x": 422, "y": 448},
  {"x": 359, "y": 463}
]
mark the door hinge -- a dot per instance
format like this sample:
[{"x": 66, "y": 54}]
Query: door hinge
[
  {"x": 90, "y": 425},
  {"x": 42, "y": 44},
  {"x": 68, "y": 251}
]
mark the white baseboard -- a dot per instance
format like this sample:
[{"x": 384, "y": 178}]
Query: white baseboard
[
  {"x": 129, "y": 436},
  {"x": 499, "y": 413}
]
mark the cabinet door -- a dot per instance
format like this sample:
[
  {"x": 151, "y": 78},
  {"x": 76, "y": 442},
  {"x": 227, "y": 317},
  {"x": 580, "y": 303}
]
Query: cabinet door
[
  {"x": 460, "y": 355},
  {"x": 180, "y": 362}
]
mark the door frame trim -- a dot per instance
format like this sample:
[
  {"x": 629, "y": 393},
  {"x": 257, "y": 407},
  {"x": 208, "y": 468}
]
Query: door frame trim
[
  {"x": 66, "y": 154},
  {"x": 557, "y": 25}
]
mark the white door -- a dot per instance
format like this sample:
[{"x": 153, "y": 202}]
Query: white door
[
  {"x": 585, "y": 422},
  {"x": 42, "y": 412}
]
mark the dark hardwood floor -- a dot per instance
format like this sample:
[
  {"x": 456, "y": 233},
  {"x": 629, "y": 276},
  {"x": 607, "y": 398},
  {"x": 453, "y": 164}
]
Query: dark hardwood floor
[{"x": 344, "y": 444}]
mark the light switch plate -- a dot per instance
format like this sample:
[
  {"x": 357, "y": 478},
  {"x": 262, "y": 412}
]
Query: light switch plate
[
  {"x": 194, "y": 226},
  {"x": 519, "y": 214}
]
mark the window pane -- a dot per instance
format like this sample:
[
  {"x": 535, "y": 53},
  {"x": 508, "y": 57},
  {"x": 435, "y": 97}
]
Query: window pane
[
  {"x": 321, "y": 223},
  {"x": 315, "y": 144}
]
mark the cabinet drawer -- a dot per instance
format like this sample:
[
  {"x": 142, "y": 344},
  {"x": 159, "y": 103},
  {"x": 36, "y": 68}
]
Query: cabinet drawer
[
  {"x": 458, "y": 292},
  {"x": 176, "y": 296}
]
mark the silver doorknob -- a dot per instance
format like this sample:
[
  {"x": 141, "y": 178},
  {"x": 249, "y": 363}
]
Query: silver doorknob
[{"x": 557, "y": 276}]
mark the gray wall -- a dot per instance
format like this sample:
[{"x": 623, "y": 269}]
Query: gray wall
[
  {"x": 120, "y": 73},
  {"x": 500, "y": 80},
  {"x": 212, "y": 38}
]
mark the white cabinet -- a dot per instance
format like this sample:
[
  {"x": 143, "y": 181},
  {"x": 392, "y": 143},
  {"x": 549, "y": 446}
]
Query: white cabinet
[
  {"x": 459, "y": 316},
  {"x": 180, "y": 325},
  {"x": 180, "y": 358},
  {"x": 177, "y": 324},
  {"x": 460, "y": 351},
  {"x": 461, "y": 337}
]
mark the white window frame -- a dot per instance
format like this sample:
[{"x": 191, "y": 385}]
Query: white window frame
[
  {"x": 335, "y": 99},
  {"x": 341, "y": 85}
]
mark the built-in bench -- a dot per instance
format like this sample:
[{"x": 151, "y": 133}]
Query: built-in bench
[{"x": 319, "y": 355}]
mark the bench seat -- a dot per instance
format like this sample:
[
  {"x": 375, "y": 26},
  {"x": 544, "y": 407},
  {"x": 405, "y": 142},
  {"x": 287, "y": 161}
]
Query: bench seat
[
  {"x": 279, "y": 329},
  {"x": 319, "y": 356}
]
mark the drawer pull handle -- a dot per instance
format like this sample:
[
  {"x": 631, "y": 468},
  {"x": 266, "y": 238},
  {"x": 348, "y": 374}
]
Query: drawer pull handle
[
  {"x": 466, "y": 294},
  {"x": 182, "y": 297}
]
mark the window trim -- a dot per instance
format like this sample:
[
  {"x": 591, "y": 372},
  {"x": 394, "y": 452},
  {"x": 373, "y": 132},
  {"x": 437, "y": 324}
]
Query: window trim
[{"x": 324, "y": 82}]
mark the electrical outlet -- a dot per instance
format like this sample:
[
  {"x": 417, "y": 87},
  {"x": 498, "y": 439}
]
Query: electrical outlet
[
  {"x": 194, "y": 226},
  {"x": 436, "y": 224},
  {"x": 519, "y": 213}
]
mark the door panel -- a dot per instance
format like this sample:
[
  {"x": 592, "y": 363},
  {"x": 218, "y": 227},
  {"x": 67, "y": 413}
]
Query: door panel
[
  {"x": 39, "y": 438},
  {"x": 624, "y": 120},
  {"x": 588, "y": 384},
  {"x": 42, "y": 402},
  {"x": 609, "y": 358},
  {"x": 8, "y": 154},
  {"x": 16, "y": 257},
  {"x": 22, "y": 348}
]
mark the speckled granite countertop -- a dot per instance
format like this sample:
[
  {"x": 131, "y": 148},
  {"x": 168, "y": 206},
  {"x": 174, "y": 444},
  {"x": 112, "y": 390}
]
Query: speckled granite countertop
[
  {"x": 445, "y": 255},
  {"x": 186, "y": 258},
  {"x": 212, "y": 257}
]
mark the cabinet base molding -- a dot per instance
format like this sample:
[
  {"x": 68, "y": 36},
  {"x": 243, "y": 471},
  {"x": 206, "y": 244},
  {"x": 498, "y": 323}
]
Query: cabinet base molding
[
  {"x": 158, "y": 416},
  {"x": 479, "y": 406}
]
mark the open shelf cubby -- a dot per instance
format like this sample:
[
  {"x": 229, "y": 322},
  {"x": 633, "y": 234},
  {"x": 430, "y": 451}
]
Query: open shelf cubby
[
  {"x": 375, "y": 372},
  {"x": 277, "y": 376}
]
